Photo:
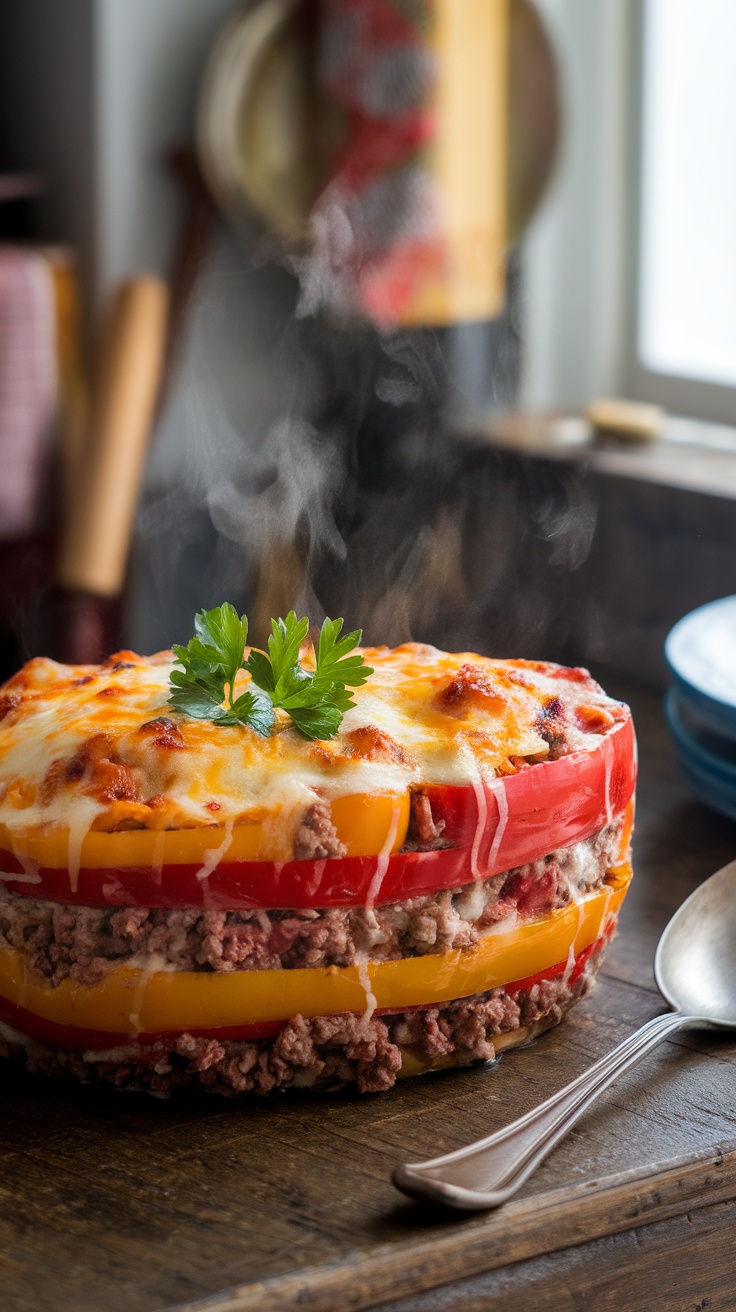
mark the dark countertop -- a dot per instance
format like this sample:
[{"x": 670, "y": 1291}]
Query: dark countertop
[{"x": 123, "y": 1202}]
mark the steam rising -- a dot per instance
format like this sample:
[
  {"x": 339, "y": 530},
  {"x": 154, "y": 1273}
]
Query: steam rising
[{"x": 301, "y": 462}]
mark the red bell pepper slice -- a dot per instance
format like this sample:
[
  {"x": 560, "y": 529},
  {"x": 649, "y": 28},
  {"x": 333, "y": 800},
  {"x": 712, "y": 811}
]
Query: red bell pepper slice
[{"x": 492, "y": 828}]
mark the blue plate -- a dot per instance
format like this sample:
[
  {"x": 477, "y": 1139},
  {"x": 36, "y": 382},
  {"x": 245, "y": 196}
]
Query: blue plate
[
  {"x": 701, "y": 653},
  {"x": 712, "y": 777}
]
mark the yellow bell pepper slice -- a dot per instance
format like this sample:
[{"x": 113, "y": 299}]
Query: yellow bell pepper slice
[
  {"x": 365, "y": 823},
  {"x": 136, "y": 1001},
  {"x": 368, "y": 825}
]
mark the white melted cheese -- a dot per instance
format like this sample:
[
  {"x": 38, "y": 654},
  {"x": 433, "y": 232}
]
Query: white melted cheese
[{"x": 220, "y": 775}]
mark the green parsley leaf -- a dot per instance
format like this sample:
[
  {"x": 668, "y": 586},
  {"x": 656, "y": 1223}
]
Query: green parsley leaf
[
  {"x": 288, "y": 676},
  {"x": 252, "y": 709},
  {"x": 195, "y": 700},
  {"x": 321, "y": 721},
  {"x": 223, "y": 630},
  {"x": 210, "y": 664},
  {"x": 315, "y": 699}
]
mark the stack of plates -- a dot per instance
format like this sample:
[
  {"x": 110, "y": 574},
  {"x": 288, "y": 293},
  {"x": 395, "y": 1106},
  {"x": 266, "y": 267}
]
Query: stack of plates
[{"x": 701, "y": 704}]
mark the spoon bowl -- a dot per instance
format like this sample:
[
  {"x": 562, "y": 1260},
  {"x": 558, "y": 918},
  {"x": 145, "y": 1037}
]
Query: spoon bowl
[
  {"x": 695, "y": 961},
  {"x": 695, "y": 970}
]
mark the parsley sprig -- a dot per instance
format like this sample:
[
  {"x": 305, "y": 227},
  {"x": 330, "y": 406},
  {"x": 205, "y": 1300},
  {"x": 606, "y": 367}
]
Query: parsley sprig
[
  {"x": 210, "y": 663},
  {"x": 316, "y": 700}
]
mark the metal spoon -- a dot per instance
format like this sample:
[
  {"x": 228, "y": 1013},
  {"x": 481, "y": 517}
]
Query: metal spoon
[{"x": 695, "y": 970}]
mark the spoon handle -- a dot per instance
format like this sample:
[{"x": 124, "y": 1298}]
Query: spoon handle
[{"x": 489, "y": 1171}]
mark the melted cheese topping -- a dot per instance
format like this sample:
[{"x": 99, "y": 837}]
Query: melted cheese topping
[{"x": 78, "y": 747}]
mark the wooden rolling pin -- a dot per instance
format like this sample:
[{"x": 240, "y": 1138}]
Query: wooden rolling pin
[
  {"x": 96, "y": 538},
  {"x": 94, "y": 547}
]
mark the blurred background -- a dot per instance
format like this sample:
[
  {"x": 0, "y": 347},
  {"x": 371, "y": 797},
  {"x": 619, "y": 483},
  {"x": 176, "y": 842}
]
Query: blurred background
[{"x": 420, "y": 312}]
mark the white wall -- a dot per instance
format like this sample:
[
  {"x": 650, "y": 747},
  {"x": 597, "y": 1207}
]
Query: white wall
[
  {"x": 575, "y": 270},
  {"x": 149, "y": 56}
]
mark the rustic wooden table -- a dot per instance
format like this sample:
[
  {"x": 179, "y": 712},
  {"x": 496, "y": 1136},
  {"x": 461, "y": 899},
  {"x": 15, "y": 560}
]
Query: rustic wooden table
[{"x": 123, "y": 1203}]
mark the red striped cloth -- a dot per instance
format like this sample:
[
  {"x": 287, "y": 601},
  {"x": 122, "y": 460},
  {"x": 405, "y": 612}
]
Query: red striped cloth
[{"x": 28, "y": 385}]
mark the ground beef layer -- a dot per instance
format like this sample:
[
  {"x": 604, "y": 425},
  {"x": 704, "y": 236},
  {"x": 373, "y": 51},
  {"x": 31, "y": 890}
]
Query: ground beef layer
[
  {"x": 83, "y": 943},
  {"x": 326, "y": 1052}
]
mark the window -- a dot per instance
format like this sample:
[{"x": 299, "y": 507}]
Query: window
[
  {"x": 685, "y": 303},
  {"x": 629, "y": 269}
]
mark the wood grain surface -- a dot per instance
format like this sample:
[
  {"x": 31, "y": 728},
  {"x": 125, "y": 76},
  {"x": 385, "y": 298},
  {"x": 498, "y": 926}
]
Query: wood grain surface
[{"x": 122, "y": 1202}]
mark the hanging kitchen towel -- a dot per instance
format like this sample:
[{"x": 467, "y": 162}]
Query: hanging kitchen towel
[{"x": 28, "y": 386}]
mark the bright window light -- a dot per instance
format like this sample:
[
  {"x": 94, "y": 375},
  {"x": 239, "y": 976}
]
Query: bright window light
[{"x": 687, "y": 284}]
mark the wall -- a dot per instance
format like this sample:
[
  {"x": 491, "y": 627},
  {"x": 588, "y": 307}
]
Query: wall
[
  {"x": 149, "y": 56},
  {"x": 46, "y": 113},
  {"x": 95, "y": 93}
]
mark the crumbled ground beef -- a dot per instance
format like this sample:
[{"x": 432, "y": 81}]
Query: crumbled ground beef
[
  {"x": 424, "y": 833},
  {"x": 552, "y": 727},
  {"x": 316, "y": 838},
  {"x": 83, "y": 943},
  {"x": 326, "y": 1052}
]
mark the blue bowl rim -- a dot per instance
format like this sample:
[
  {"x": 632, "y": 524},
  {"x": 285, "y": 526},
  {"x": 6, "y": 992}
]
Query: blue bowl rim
[
  {"x": 725, "y": 771},
  {"x": 716, "y": 716},
  {"x": 727, "y": 708}
]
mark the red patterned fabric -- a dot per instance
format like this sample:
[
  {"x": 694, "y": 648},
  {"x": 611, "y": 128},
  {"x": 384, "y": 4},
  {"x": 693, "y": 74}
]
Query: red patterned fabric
[
  {"x": 377, "y": 230},
  {"x": 27, "y": 385}
]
